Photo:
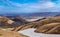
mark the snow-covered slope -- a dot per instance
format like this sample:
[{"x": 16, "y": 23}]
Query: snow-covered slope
[{"x": 30, "y": 32}]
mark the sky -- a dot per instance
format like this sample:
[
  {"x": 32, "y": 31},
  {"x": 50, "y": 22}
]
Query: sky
[{"x": 29, "y": 6}]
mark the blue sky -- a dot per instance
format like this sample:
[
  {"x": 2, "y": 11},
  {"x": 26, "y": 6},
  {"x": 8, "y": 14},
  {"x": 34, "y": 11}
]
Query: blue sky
[{"x": 29, "y": 6}]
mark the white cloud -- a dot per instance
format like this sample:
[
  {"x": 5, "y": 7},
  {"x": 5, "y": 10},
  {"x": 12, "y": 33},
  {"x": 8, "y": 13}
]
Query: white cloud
[
  {"x": 37, "y": 7},
  {"x": 40, "y": 6}
]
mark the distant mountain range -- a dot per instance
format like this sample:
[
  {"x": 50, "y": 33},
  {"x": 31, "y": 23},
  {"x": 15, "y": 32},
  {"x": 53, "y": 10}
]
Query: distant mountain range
[
  {"x": 32, "y": 14},
  {"x": 44, "y": 14}
]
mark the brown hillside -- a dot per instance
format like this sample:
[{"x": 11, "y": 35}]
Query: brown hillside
[
  {"x": 6, "y": 23},
  {"x": 42, "y": 26},
  {"x": 47, "y": 28},
  {"x": 6, "y": 33}
]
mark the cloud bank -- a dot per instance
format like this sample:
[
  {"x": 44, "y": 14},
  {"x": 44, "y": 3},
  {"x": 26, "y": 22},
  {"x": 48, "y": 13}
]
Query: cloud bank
[{"x": 39, "y": 6}]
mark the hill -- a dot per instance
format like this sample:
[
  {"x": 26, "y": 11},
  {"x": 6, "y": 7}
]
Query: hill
[
  {"x": 47, "y": 25},
  {"x": 6, "y": 22},
  {"x": 6, "y": 33}
]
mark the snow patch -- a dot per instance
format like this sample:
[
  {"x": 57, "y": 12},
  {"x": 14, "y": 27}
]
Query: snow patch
[{"x": 30, "y": 32}]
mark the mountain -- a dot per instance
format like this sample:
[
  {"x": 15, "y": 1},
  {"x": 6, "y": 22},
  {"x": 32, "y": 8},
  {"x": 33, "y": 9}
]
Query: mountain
[
  {"x": 40, "y": 14},
  {"x": 18, "y": 19},
  {"x": 57, "y": 15},
  {"x": 8, "y": 22},
  {"x": 5, "y": 23},
  {"x": 32, "y": 14},
  {"x": 49, "y": 25}
]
